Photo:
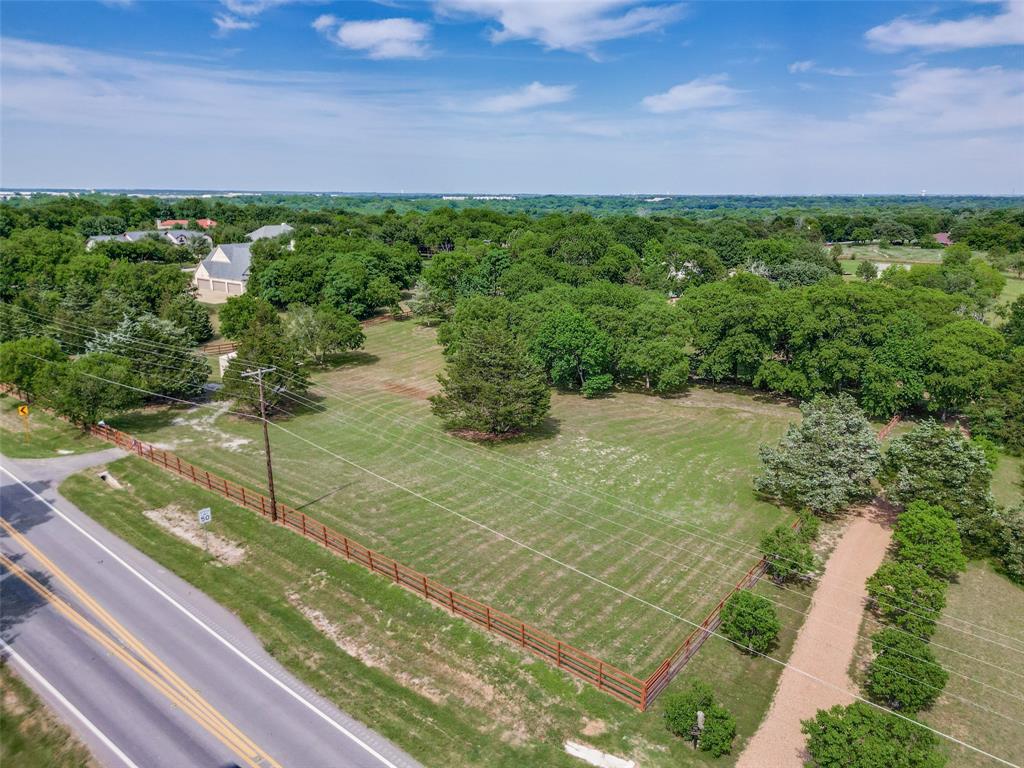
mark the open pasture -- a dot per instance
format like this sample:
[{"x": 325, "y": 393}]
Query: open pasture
[{"x": 617, "y": 506}]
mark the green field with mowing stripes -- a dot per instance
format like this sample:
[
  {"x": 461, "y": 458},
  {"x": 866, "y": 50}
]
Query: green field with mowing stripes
[{"x": 646, "y": 496}]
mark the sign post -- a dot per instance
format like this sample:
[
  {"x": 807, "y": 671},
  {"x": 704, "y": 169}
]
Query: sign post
[
  {"x": 23, "y": 412},
  {"x": 205, "y": 517}
]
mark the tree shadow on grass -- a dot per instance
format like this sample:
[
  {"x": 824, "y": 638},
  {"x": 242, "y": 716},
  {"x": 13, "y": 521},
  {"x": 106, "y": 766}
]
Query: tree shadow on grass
[{"x": 345, "y": 360}]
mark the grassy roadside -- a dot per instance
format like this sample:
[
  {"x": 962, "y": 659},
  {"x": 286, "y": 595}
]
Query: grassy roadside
[
  {"x": 31, "y": 736},
  {"x": 443, "y": 691},
  {"x": 48, "y": 436}
]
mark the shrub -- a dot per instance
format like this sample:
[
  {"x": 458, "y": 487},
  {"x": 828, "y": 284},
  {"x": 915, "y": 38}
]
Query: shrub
[
  {"x": 926, "y": 536},
  {"x": 908, "y": 597},
  {"x": 597, "y": 385},
  {"x": 860, "y": 736},
  {"x": 905, "y": 674},
  {"x": 1010, "y": 548},
  {"x": 681, "y": 716},
  {"x": 681, "y": 708},
  {"x": 749, "y": 620},
  {"x": 789, "y": 557}
]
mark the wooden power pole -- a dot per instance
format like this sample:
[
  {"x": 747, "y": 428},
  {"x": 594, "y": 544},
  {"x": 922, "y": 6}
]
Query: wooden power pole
[{"x": 258, "y": 374}]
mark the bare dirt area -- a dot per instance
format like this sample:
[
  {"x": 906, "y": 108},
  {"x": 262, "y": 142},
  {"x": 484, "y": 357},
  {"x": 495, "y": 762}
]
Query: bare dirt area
[
  {"x": 185, "y": 525},
  {"x": 825, "y": 645}
]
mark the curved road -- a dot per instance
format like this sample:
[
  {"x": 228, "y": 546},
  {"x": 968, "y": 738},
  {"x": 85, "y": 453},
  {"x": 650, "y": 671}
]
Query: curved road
[{"x": 147, "y": 670}]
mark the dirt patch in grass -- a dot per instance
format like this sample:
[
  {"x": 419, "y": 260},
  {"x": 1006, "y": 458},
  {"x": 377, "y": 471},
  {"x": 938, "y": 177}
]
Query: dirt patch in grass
[
  {"x": 406, "y": 390},
  {"x": 185, "y": 525}
]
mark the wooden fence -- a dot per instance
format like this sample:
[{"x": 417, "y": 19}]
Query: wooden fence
[{"x": 605, "y": 676}]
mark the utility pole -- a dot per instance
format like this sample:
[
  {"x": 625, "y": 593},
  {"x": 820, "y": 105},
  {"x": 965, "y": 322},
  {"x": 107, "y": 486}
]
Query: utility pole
[{"x": 258, "y": 374}]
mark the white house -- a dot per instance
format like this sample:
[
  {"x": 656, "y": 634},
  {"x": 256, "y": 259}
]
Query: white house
[{"x": 224, "y": 273}]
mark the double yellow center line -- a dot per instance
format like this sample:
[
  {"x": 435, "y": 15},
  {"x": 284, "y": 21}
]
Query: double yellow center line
[{"x": 135, "y": 655}]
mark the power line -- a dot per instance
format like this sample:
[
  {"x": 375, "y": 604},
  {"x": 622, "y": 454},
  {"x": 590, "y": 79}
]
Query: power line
[
  {"x": 589, "y": 576},
  {"x": 618, "y": 502},
  {"x": 309, "y": 403}
]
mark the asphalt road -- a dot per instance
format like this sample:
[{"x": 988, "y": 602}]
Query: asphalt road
[{"x": 147, "y": 670}]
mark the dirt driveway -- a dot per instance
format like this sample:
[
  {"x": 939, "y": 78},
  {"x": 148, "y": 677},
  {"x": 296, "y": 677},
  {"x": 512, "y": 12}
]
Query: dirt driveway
[{"x": 825, "y": 645}]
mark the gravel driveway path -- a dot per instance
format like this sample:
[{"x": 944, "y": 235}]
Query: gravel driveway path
[{"x": 825, "y": 645}]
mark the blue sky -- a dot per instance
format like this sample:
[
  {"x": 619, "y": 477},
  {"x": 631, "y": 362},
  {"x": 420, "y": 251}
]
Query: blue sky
[{"x": 603, "y": 96}]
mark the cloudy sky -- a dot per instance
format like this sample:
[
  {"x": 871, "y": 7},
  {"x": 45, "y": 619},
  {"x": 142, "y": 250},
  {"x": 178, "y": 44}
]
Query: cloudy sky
[{"x": 602, "y": 96}]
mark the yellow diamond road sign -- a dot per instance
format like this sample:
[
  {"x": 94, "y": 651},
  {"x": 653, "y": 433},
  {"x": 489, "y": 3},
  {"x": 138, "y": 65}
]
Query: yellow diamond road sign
[{"x": 23, "y": 410}]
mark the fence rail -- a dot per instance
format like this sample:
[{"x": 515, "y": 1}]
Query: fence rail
[{"x": 604, "y": 676}]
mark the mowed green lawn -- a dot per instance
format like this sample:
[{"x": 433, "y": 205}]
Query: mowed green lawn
[
  {"x": 994, "y": 606},
  {"x": 47, "y": 436},
  {"x": 620, "y": 504},
  {"x": 438, "y": 686}
]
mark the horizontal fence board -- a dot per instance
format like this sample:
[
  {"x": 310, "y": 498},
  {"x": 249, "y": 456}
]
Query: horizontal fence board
[{"x": 576, "y": 662}]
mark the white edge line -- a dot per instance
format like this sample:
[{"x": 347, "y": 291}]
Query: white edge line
[
  {"x": 60, "y": 697},
  {"x": 295, "y": 695}
]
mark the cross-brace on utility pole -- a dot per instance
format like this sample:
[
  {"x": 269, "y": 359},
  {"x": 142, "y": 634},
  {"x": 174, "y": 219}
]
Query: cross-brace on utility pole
[{"x": 258, "y": 374}]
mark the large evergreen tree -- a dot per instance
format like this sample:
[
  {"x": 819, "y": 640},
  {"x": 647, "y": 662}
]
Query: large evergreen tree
[
  {"x": 160, "y": 355},
  {"x": 491, "y": 383},
  {"x": 824, "y": 463}
]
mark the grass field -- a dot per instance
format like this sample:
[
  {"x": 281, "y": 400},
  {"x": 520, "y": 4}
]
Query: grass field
[
  {"x": 1007, "y": 480},
  {"x": 632, "y": 490},
  {"x": 47, "y": 436},
  {"x": 438, "y": 687},
  {"x": 992, "y": 602},
  {"x": 31, "y": 736}
]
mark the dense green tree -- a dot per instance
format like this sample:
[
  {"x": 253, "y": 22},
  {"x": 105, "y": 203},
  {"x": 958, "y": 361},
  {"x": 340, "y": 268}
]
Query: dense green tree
[
  {"x": 571, "y": 348},
  {"x": 1009, "y": 546},
  {"x": 237, "y": 312},
  {"x": 904, "y": 673},
  {"x": 908, "y": 597},
  {"x": 319, "y": 332},
  {"x": 927, "y": 536},
  {"x": 867, "y": 271},
  {"x": 265, "y": 344},
  {"x": 183, "y": 311},
  {"x": 788, "y": 553},
  {"x": 750, "y": 621},
  {"x": 961, "y": 361},
  {"x": 824, "y": 463},
  {"x": 92, "y": 387},
  {"x": 22, "y": 359},
  {"x": 860, "y": 736},
  {"x": 940, "y": 466},
  {"x": 159, "y": 353},
  {"x": 1013, "y": 328},
  {"x": 681, "y": 718}
]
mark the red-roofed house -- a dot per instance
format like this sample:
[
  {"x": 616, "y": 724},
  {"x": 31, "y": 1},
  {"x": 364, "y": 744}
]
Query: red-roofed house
[
  {"x": 942, "y": 238},
  {"x": 183, "y": 223}
]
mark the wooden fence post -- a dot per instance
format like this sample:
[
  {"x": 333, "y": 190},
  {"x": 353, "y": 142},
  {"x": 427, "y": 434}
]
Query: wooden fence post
[
  {"x": 522, "y": 633},
  {"x": 426, "y": 593},
  {"x": 451, "y": 600},
  {"x": 395, "y": 563},
  {"x": 488, "y": 616}
]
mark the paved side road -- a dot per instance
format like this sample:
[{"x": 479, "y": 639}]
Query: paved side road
[{"x": 239, "y": 706}]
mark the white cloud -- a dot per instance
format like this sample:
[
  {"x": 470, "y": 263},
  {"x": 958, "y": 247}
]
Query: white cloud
[
  {"x": 807, "y": 66},
  {"x": 1004, "y": 28},
  {"x": 227, "y": 24},
  {"x": 951, "y": 100},
  {"x": 701, "y": 93},
  {"x": 573, "y": 25},
  {"x": 383, "y": 39},
  {"x": 528, "y": 97},
  {"x": 325, "y": 21}
]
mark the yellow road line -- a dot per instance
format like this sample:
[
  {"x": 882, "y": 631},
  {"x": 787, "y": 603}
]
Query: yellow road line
[
  {"x": 202, "y": 713},
  {"x": 131, "y": 641}
]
